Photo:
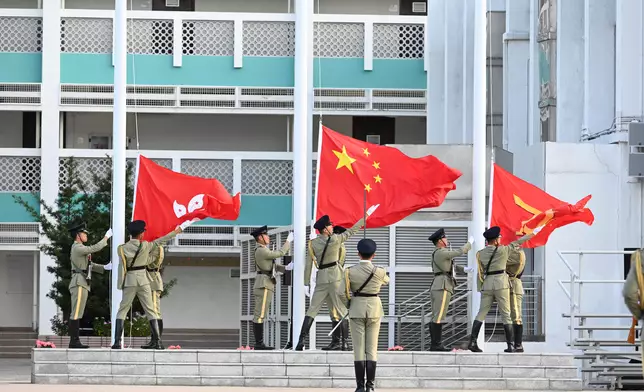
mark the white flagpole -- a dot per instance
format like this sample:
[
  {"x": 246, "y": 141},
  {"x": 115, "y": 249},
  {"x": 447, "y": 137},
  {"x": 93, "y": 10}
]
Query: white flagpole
[
  {"x": 118, "y": 147},
  {"x": 479, "y": 140},
  {"x": 491, "y": 195}
]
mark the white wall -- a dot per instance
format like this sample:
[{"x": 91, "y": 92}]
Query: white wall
[
  {"x": 16, "y": 289},
  {"x": 10, "y": 129},
  {"x": 203, "y": 298}
]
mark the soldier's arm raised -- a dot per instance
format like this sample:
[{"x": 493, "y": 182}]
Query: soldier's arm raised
[
  {"x": 631, "y": 288},
  {"x": 385, "y": 277},
  {"x": 350, "y": 231},
  {"x": 273, "y": 254},
  {"x": 85, "y": 250},
  {"x": 450, "y": 254}
]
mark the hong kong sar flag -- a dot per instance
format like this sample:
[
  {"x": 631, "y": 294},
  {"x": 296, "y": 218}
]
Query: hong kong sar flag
[{"x": 164, "y": 199}]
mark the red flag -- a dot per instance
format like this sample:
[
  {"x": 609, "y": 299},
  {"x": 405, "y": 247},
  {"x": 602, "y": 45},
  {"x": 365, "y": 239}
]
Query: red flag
[
  {"x": 165, "y": 199},
  {"x": 401, "y": 185},
  {"x": 518, "y": 207}
]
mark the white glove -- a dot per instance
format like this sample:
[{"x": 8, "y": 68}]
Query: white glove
[
  {"x": 108, "y": 234},
  {"x": 313, "y": 235},
  {"x": 306, "y": 291},
  {"x": 290, "y": 237},
  {"x": 108, "y": 266},
  {"x": 470, "y": 240},
  {"x": 185, "y": 224},
  {"x": 537, "y": 230},
  {"x": 372, "y": 209},
  {"x": 290, "y": 266},
  {"x": 468, "y": 270}
]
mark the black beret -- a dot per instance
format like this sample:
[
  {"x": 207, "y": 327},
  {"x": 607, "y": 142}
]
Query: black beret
[
  {"x": 78, "y": 228},
  {"x": 259, "y": 231},
  {"x": 338, "y": 229},
  {"x": 321, "y": 223},
  {"x": 136, "y": 227},
  {"x": 492, "y": 233},
  {"x": 438, "y": 234},
  {"x": 366, "y": 246}
]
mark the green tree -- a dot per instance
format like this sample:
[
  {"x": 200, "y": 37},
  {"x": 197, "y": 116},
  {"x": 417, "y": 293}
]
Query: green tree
[{"x": 80, "y": 202}]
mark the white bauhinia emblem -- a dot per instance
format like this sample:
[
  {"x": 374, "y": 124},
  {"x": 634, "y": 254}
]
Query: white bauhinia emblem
[{"x": 196, "y": 203}]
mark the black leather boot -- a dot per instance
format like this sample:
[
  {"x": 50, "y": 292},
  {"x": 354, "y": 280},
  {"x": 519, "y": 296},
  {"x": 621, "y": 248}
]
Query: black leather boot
[
  {"x": 289, "y": 345},
  {"x": 345, "y": 336},
  {"x": 358, "y": 366},
  {"x": 118, "y": 332},
  {"x": 507, "y": 328},
  {"x": 258, "y": 330},
  {"x": 155, "y": 343},
  {"x": 436, "y": 331},
  {"x": 74, "y": 335},
  {"x": 518, "y": 338},
  {"x": 371, "y": 376},
  {"x": 304, "y": 333},
  {"x": 335, "y": 338},
  {"x": 160, "y": 328},
  {"x": 473, "y": 346}
]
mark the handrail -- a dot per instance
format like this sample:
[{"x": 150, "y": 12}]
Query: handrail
[{"x": 453, "y": 300}]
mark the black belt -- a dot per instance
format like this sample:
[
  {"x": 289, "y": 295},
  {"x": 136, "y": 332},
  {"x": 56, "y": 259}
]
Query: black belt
[
  {"x": 267, "y": 273},
  {"x": 139, "y": 268},
  {"x": 443, "y": 273},
  {"x": 495, "y": 272},
  {"x": 152, "y": 269},
  {"x": 515, "y": 276},
  {"x": 364, "y": 295},
  {"x": 327, "y": 265},
  {"x": 77, "y": 271}
]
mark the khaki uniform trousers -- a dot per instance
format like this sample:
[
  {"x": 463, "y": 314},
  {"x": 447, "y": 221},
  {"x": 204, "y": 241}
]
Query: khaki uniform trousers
[
  {"x": 263, "y": 300},
  {"x": 156, "y": 302},
  {"x": 440, "y": 305},
  {"x": 364, "y": 334},
  {"x": 502, "y": 297},
  {"x": 79, "y": 300},
  {"x": 333, "y": 293},
  {"x": 145, "y": 295}
]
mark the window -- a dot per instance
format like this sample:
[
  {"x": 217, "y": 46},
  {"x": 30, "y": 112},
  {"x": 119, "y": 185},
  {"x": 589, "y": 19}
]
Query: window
[{"x": 373, "y": 139}]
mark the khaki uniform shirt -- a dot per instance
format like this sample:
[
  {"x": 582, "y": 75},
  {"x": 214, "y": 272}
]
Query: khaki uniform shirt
[
  {"x": 264, "y": 260},
  {"x": 442, "y": 261},
  {"x": 156, "y": 260},
  {"x": 498, "y": 263},
  {"x": 355, "y": 276},
  {"x": 515, "y": 268},
  {"x": 333, "y": 254},
  {"x": 79, "y": 257},
  {"x": 126, "y": 254},
  {"x": 633, "y": 291}
]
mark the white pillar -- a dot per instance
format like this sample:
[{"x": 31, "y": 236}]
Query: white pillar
[
  {"x": 479, "y": 161},
  {"x": 34, "y": 315},
  {"x": 303, "y": 98},
  {"x": 436, "y": 72},
  {"x": 628, "y": 60},
  {"x": 534, "y": 126},
  {"x": 453, "y": 79},
  {"x": 49, "y": 153},
  {"x": 599, "y": 68},
  {"x": 516, "y": 54},
  {"x": 468, "y": 71},
  {"x": 118, "y": 146}
]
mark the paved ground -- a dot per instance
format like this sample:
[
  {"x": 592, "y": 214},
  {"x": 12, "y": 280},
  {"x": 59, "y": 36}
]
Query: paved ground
[{"x": 15, "y": 371}]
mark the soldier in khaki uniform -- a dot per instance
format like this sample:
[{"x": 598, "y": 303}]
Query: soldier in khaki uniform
[
  {"x": 443, "y": 284},
  {"x": 633, "y": 292},
  {"x": 134, "y": 279},
  {"x": 493, "y": 282},
  {"x": 515, "y": 268},
  {"x": 326, "y": 251},
  {"x": 265, "y": 280},
  {"x": 340, "y": 337},
  {"x": 79, "y": 285},
  {"x": 156, "y": 283},
  {"x": 363, "y": 283}
]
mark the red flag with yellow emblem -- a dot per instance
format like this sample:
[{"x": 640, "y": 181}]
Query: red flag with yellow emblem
[
  {"x": 519, "y": 207},
  {"x": 348, "y": 168}
]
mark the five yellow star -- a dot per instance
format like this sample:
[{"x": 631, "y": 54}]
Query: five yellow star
[
  {"x": 375, "y": 164},
  {"x": 367, "y": 187},
  {"x": 344, "y": 160},
  {"x": 366, "y": 152},
  {"x": 378, "y": 178}
]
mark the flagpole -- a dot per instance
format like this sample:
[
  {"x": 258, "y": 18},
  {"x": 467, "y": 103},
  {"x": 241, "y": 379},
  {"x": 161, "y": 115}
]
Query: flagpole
[
  {"x": 479, "y": 140},
  {"x": 364, "y": 209},
  {"x": 118, "y": 147},
  {"x": 491, "y": 195}
]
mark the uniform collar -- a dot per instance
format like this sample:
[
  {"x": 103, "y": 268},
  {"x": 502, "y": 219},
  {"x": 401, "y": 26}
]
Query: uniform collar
[{"x": 365, "y": 261}]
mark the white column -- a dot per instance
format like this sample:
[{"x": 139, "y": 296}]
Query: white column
[
  {"x": 34, "y": 316},
  {"x": 453, "y": 79},
  {"x": 599, "y": 68},
  {"x": 49, "y": 153},
  {"x": 479, "y": 161},
  {"x": 436, "y": 72},
  {"x": 534, "y": 127},
  {"x": 628, "y": 60},
  {"x": 516, "y": 55},
  {"x": 118, "y": 147},
  {"x": 303, "y": 98},
  {"x": 468, "y": 71}
]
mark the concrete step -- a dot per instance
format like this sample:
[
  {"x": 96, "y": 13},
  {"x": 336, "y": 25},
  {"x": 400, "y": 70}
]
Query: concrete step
[
  {"x": 16, "y": 349},
  {"x": 14, "y": 355},
  {"x": 4, "y": 342},
  {"x": 18, "y": 335}
]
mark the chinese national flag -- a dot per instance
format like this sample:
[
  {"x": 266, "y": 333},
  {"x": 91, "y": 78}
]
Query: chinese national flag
[
  {"x": 518, "y": 207},
  {"x": 164, "y": 199},
  {"x": 401, "y": 185}
]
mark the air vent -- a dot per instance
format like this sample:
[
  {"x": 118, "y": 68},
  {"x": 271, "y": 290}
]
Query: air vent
[
  {"x": 418, "y": 7},
  {"x": 234, "y": 273},
  {"x": 172, "y": 3}
]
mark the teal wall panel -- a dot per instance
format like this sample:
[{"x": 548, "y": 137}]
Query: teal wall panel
[
  {"x": 10, "y": 211},
  {"x": 386, "y": 73},
  {"x": 20, "y": 67}
]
